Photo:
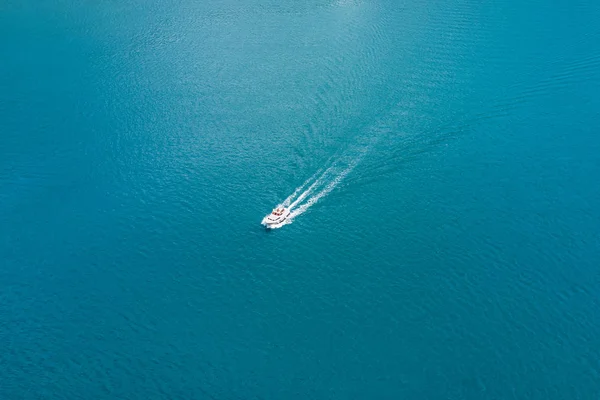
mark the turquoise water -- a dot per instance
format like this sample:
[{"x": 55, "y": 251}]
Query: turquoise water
[{"x": 448, "y": 250}]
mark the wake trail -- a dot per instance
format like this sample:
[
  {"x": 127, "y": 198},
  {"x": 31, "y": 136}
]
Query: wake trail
[
  {"x": 325, "y": 191},
  {"x": 323, "y": 182},
  {"x": 315, "y": 177},
  {"x": 286, "y": 202},
  {"x": 319, "y": 181}
]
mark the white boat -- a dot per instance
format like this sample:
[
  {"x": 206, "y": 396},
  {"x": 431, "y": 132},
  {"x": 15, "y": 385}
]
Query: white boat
[{"x": 277, "y": 216}]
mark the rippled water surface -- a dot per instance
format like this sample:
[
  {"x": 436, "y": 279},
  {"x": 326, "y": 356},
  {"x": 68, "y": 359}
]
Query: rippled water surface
[{"x": 442, "y": 159}]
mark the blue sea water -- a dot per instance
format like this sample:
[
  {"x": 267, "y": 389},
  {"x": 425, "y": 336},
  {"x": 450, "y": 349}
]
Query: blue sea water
[{"x": 448, "y": 249}]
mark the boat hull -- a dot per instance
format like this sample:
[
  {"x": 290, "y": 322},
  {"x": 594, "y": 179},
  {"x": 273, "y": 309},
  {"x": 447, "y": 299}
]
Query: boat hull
[{"x": 271, "y": 221}]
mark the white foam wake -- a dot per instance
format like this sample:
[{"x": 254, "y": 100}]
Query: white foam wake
[
  {"x": 321, "y": 184},
  {"x": 326, "y": 179},
  {"x": 301, "y": 209},
  {"x": 318, "y": 182}
]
